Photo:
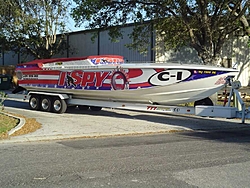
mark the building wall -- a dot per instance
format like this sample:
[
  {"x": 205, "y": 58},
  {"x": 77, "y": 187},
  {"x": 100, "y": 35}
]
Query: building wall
[
  {"x": 241, "y": 56},
  {"x": 118, "y": 48},
  {"x": 184, "y": 55},
  {"x": 82, "y": 45},
  {"x": 9, "y": 58},
  {"x": 235, "y": 53}
]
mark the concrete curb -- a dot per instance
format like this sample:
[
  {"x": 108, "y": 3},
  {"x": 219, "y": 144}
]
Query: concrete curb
[
  {"x": 19, "y": 125},
  {"x": 85, "y": 136}
]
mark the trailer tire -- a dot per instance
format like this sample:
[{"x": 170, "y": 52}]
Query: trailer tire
[
  {"x": 206, "y": 102},
  {"x": 46, "y": 103},
  {"x": 34, "y": 102},
  {"x": 95, "y": 108},
  {"x": 83, "y": 107},
  {"x": 59, "y": 105}
]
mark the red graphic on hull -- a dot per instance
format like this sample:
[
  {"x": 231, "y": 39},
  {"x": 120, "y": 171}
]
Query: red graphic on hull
[
  {"x": 116, "y": 79},
  {"x": 82, "y": 78},
  {"x": 119, "y": 79}
]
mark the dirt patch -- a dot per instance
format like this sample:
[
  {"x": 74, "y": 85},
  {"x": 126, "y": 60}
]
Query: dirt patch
[
  {"x": 31, "y": 125},
  {"x": 4, "y": 136}
]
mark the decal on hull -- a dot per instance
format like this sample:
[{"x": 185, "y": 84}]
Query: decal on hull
[{"x": 169, "y": 77}]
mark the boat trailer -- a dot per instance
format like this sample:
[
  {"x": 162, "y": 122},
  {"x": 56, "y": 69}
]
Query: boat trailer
[{"x": 64, "y": 100}]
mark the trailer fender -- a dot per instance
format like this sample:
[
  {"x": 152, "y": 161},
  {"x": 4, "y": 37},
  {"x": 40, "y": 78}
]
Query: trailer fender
[{"x": 60, "y": 95}]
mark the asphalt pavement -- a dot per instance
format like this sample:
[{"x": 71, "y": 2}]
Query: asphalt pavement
[{"x": 110, "y": 122}]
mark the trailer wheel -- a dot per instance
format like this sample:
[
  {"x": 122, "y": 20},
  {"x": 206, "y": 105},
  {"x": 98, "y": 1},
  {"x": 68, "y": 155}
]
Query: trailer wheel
[
  {"x": 34, "y": 102},
  {"x": 95, "y": 108},
  {"x": 207, "y": 102},
  {"x": 59, "y": 105},
  {"x": 83, "y": 107},
  {"x": 46, "y": 103}
]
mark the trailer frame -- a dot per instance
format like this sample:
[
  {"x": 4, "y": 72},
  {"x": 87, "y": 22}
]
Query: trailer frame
[{"x": 58, "y": 103}]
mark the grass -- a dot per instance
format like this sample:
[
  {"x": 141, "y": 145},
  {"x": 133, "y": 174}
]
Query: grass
[{"x": 6, "y": 124}]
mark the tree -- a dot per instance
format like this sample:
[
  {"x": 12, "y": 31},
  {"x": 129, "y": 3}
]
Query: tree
[
  {"x": 31, "y": 27},
  {"x": 200, "y": 24}
]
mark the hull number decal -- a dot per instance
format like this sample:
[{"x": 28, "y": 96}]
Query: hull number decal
[{"x": 169, "y": 77}]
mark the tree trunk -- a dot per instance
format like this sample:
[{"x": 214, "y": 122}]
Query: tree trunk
[{"x": 209, "y": 58}]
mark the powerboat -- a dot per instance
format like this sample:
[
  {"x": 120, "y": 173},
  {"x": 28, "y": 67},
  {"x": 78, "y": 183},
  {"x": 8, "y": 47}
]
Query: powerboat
[{"x": 111, "y": 78}]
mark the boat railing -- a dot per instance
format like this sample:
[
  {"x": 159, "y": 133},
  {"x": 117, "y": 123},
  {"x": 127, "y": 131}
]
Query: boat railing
[
  {"x": 81, "y": 66},
  {"x": 56, "y": 67}
]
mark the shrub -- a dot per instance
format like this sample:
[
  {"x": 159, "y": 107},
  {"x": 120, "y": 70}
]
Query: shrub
[{"x": 3, "y": 96}]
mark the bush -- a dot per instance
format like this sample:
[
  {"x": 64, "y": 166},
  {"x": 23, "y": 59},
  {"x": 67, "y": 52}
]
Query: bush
[{"x": 3, "y": 96}]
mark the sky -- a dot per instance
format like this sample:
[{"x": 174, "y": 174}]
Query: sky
[
  {"x": 71, "y": 26},
  {"x": 71, "y": 22}
]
